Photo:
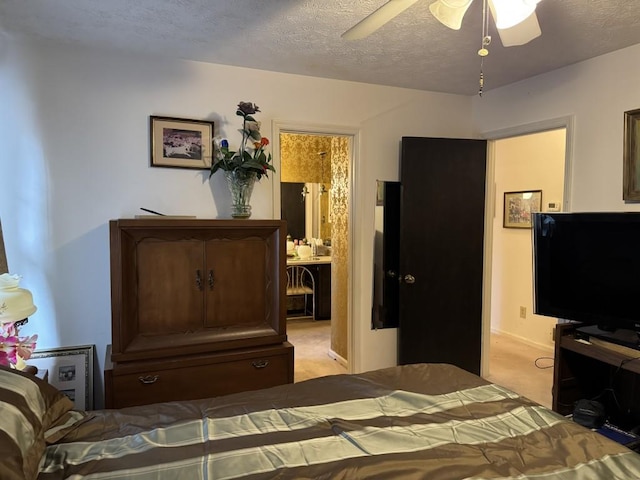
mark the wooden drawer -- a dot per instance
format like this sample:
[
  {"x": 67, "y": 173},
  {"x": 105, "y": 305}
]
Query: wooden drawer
[{"x": 141, "y": 383}]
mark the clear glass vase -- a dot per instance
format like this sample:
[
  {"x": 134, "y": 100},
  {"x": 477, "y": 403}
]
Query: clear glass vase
[{"x": 241, "y": 187}]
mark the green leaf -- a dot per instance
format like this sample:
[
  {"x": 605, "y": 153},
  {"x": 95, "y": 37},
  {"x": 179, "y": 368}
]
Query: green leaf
[
  {"x": 255, "y": 134},
  {"x": 253, "y": 164}
]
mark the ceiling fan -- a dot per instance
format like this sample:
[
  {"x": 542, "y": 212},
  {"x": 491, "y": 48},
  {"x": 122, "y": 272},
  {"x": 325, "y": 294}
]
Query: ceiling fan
[{"x": 515, "y": 20}]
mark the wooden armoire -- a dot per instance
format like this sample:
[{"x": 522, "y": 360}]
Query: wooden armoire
[{"x": 198, "y": 309}]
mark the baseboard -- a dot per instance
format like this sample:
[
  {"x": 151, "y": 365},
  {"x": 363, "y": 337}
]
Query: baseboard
[
  {"x": 338, "y": 359},
  {"x": 549, "y": 348}
]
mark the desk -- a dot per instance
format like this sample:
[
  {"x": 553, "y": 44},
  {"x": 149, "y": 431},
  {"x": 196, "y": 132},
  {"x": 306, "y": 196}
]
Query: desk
[
  {"x": 320, "y": 268},
  {"x": 588, "y": 370}
]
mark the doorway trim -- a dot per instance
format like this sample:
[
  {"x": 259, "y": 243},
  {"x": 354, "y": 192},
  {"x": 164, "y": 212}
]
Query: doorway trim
[
  {"x": 566, "y": 122},
  {"x": 353, "y": 134}
]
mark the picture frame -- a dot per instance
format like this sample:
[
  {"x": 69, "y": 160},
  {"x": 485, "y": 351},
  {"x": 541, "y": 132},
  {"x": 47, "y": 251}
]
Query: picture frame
[
  {"x": 70, "y": 370},
  {"x": 518, "y": 207},
  {"x": 181, "y": 142},
  {"x": 631, "y": 156}
]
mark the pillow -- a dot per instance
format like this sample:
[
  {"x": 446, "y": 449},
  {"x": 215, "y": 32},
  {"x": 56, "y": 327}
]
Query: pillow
[{"x": 28, "y": 408}]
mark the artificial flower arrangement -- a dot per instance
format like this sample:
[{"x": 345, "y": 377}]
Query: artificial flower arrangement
[
  {"x": 14, "y": 349},
  {"x": 251, "y": 156}
]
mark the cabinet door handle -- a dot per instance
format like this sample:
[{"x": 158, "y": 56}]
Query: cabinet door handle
[
  {"x": 198, "y": 280},
  {"x": 260, "y": 363},
  {"x": 210, "y": 279},
  {"x": 149, "y": 379}
]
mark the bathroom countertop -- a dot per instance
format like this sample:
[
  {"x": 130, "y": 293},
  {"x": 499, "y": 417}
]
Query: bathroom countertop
[{"x": 308, "y": 261}]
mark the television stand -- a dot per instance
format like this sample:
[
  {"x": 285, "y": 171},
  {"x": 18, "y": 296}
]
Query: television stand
[
  {"x": 620, "y": 336},
  {"x": 600, "y": 370}
]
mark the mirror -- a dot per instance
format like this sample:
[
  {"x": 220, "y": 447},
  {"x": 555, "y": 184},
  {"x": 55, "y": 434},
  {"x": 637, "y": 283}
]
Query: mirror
[
  {"x": 305, "y": 185},
  {"x": 386, "y": 256}
]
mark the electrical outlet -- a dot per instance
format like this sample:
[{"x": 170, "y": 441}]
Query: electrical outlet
[{"x": 523, "y": 312}]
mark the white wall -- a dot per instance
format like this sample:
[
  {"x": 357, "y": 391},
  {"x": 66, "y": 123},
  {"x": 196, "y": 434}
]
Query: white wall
[
  {"x": 74, "y": 131},
  {"x": 527, "y": 162},
  {"x": 596, "y": 93}
]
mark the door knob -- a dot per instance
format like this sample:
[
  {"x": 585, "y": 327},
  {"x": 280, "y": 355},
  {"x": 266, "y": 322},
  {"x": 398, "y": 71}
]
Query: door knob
[{"x": 409, "y": 279}]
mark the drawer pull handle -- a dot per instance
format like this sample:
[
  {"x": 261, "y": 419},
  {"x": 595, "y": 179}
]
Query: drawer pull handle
[
  {"x": 149, "y": 379},
  {"x": 260, "y": 363},
  {"x": 211, "y": 279}
]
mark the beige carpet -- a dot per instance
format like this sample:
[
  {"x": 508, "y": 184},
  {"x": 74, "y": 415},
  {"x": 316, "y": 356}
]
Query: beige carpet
[
  {"x": 312, "y": 342},
  {"x": 516, "y": 365},
  {"x": 521, "y": 367}
]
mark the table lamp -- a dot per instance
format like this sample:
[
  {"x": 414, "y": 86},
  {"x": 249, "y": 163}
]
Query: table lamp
[{"x": 16, "y": 304}]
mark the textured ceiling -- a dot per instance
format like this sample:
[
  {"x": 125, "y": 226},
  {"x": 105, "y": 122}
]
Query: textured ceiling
[{"x": 303, "y": 36}]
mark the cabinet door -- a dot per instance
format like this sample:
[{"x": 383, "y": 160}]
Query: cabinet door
[
  {"x": 170, "y": 281},
  {"x": 323, "y": 291},
  {"x": 238, "y": 283}
]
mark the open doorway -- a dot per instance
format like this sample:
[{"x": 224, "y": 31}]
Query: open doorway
[
  {"x": 518, "y": 344},
  {"x": 321, "y": 160}
]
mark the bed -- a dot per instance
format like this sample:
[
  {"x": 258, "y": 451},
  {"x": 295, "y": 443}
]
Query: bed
[{"x": 432, "y": 421}]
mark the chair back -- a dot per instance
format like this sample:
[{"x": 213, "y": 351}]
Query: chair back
[{"x": 300, "y": 280}]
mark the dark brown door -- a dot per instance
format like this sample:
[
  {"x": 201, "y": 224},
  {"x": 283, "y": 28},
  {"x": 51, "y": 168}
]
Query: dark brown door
[{"x": 441, "y": 251}]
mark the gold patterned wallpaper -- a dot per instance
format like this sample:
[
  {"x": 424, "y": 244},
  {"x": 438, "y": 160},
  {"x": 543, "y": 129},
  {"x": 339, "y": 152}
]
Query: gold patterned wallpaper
[
  {"x": 300, "y": 158},
  {"x": 340, "y": 245},
  {"x": 300, "y": 161}
]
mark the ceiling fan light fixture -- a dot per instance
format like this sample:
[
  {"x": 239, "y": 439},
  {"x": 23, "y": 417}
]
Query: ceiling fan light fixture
[
  {"x": 450, "y": 12},
  {"x": 512, "y": 12}
]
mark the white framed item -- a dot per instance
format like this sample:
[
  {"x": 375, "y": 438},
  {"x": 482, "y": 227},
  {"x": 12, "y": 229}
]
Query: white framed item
[{"x": 70, "y": 370}]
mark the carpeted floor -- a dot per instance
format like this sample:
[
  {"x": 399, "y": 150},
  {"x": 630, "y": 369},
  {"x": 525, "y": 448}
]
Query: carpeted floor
[
  {"x": 521, "y": 367},
  {"x": 312, "y": 341},
  {"x": 514, "y": 364}
]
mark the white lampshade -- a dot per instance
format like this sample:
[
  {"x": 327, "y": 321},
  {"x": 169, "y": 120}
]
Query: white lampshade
[
  {"x": 512, "y": 12},
  {"x": 450, "y": 12},
  {"x": 15, "y": 303}
]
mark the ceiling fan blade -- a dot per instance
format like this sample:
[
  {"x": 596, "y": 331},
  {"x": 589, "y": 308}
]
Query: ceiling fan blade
[
  {"x": 374, "y": 21},
  {"x": 521, "y": 33},
  {"x": 450, "y": 12}
]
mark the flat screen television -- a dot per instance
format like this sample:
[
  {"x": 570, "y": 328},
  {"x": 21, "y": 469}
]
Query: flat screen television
[{"x": 587, "y": 268}]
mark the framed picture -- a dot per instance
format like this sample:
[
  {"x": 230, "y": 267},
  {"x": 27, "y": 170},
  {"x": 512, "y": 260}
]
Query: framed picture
[
  {"x": 181, "y": 143},
  {"x": 631, "y": 156},
  {"x": 518, "y": 207},
  {"x": 70, "y": 371}
]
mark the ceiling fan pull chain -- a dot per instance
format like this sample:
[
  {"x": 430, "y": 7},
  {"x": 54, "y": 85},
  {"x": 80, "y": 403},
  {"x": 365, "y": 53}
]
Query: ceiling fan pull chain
[{"x": 486, "y": 40}]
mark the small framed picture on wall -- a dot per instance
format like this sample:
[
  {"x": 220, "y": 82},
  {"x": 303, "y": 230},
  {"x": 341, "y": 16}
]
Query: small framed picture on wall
[
  {"x": 181, "y": 143},
  {"x": 518, "y": 207}
]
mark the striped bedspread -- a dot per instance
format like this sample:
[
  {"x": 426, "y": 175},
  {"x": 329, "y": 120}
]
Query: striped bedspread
[{"x": 409, "y": 422}]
